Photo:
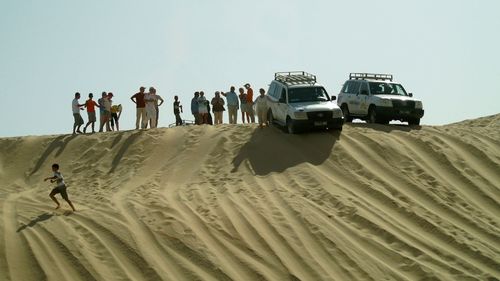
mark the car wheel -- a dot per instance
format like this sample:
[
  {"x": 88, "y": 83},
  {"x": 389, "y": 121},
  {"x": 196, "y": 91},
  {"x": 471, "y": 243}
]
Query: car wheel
[
  {"x": 414, "y": 122},
  {"x": 290, "y": 127},
  {"x": 345, "y": 111},
  {"x": 372, "y": 115}
]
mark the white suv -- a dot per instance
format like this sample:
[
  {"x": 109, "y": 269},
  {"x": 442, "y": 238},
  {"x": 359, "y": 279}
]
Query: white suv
[
  {"x": 377, "y": 99},
  {"x": 296, "y": 101}
]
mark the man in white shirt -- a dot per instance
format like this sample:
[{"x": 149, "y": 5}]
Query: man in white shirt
[
  {"x": 152, "y": 104},
  {"x": 76, "y": 107}
]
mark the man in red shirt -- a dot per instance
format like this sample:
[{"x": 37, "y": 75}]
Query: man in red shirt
[
  {"x": 250, "y": 102},
  {"x": 141, "y": 109},
  {"x": 90, "y": 104}
]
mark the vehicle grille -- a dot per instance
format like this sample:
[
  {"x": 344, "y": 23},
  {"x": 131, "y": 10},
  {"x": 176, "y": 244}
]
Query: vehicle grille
[
  {"x": 402, "y": 104},
  {"x": 320, "y": 115}
]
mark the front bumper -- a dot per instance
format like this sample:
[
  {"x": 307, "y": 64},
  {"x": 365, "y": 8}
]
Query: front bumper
[
  {"x": 334, "y": 123},
  {"x": 392, "y": 113}
]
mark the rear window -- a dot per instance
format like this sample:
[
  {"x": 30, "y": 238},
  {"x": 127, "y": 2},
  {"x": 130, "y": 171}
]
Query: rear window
[{"x": 350, "y": 87}]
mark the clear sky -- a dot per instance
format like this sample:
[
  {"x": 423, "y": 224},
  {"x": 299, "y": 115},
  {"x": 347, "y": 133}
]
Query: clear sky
[{"x": 445, "y": 52}]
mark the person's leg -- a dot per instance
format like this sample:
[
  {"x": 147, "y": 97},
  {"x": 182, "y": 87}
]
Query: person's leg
[
  {"x": 157, "y": 115},
  {"x": 137, "y": 118},
  {"x": 52, "y": 196},
  {"x": 64, "y": 195},
  {"x": 220, "y": 117},
  {"x": 112, "y": 122},
  {"x": 243, "y": 116},
  {"x": 93, "y": 131}
]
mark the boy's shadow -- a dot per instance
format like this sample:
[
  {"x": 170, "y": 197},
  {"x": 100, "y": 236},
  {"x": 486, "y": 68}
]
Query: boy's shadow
[{"x": 33, "y": 222}]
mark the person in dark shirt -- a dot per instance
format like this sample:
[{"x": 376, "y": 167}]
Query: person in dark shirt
[
  {"x": 141, "y": 108},
  {"x": 177, "y": 111}
]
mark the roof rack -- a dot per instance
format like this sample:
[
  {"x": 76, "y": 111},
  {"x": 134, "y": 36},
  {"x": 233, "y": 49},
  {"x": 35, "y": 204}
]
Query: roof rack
[
  {"x": 373, "y": 76},
  {"x": 295, "y": 77}
]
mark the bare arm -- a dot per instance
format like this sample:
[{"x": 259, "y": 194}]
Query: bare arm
[{"x": 132, "y": 98}]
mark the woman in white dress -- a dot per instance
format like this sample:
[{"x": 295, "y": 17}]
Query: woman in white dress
[{"x": 151, "y": 100}]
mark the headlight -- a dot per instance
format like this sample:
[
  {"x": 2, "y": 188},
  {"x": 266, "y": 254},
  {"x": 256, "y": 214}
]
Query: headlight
[
  {"x": 300, "y": 115},
  {"x": 385, "y": 102},
  {"x": 337, "y": 114},
  {"x": 418, "y": 105}
]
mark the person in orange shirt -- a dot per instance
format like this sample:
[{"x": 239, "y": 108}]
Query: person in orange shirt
[
  {"x": 90, "y": 104},
  {"x": 250, "y": 102}
]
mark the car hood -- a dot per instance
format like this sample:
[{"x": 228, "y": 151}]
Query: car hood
[
  {"x": 394, "y": 97},
  {"x": 314, "y": 106}
]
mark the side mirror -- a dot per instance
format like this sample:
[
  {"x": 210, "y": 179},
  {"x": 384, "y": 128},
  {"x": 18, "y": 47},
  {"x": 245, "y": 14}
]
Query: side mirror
[
  {"x": 333, "y": 98},
  {"x": 410, "y": 94}
]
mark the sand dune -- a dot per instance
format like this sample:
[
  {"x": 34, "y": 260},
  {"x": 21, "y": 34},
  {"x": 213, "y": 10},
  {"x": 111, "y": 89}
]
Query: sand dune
[{"x": 239, "y": 203}]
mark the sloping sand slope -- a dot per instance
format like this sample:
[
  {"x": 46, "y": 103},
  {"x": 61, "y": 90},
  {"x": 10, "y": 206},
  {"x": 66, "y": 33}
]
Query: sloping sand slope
[{"x": 239, "y": 203}]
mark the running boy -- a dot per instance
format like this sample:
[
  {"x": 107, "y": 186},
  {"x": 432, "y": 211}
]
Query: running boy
[{"x": 60, "y": 187}]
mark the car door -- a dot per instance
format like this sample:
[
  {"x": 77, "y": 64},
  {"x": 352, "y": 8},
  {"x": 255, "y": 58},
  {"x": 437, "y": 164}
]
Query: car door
[
  {"x": 363, "y": 98},
  {"x": 272, "y": 100},
  {"x": 354, "y": 98},
  {"x": 282, "y": 105}
]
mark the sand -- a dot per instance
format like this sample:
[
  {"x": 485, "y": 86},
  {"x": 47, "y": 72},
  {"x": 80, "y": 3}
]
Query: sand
[{"x": 375, "y": 202}]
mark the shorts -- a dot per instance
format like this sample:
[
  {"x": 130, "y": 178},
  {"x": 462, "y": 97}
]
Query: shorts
[
  {"x": 91, "y": 116},
  {"x": 78, "y": 119},
  {"x": 60, "y": 189},
  {"x": 244, "y": 107}
]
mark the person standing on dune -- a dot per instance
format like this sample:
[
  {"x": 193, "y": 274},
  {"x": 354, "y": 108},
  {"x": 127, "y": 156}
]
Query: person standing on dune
[
  {"x": 232, "y": 105},
  {"x": 218, "y": 108},
  {"x": 203, "y": 108},
  {"x": 151, "y": 100},
  {"x": 138, "y": 99},
  {"x": 76, "y": 114},
  {"x": 60, "y": 187},
  {"x": 90, "y": 104},
  {"x": 177, "y": 111},
  {"x": 194, "y": 108},
  {"x": 250, "y": 110},
  {"x": 244, "y": 107},
  {"x": 261, "y": 108}
]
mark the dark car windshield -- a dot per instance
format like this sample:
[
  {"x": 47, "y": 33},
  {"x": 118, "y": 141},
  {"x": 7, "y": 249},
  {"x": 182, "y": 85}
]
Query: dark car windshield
[
  {"x": 307, "y": 94},
  {"x": 382, "y": 88}
]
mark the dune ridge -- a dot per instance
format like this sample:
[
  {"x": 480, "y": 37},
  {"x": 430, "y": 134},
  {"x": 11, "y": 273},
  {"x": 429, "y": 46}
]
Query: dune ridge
[{"x": 374, "y": 202}]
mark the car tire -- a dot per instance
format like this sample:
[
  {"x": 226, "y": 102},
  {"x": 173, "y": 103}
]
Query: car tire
[
  {"x": 414, "y": 122},
  {"x": 372, "y": 115},
  {"x": 290, "y": 127},
  {"x": 345, "y": 111}
]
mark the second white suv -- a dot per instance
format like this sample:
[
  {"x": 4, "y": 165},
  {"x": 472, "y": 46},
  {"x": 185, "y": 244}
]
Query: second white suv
[
  {"x": 377, "y": 99},
  {"x": 296, "y": 101}
]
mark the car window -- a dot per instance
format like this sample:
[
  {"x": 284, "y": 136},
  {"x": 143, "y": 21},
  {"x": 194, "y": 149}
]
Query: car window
[
  {"x": 382, "y": 88},
  {"x": 347, "y": 86},
  {"x": 354, "y": 87},
  {"x": 272, "y": 90},
  {"x": 283, "y": 94},
  {"x": 363, "y": 88},
  {"x": 307, "y": 94}
]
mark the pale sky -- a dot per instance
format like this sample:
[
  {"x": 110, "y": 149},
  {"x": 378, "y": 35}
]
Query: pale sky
[{"x": 444, "y": 52}]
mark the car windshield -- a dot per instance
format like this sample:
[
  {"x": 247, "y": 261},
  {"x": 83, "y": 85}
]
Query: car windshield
[
  {"x": 307, "y": 94},
  {"x": 382, "y": 88}
]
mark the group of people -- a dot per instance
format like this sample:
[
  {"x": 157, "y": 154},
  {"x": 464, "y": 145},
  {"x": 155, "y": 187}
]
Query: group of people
[
  {"x": 147, "y": 109},
  {"x": 200, "y": 107},
  {"x": 109, "y": 113}
]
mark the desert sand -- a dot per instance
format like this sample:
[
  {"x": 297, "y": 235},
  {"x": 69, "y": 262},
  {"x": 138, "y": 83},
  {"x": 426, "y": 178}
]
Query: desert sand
[{"x": 374, "y": 202}]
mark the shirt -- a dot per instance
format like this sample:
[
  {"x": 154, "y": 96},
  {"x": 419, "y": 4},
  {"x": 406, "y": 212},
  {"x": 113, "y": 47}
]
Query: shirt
[
  {"x": 202, "y": 104},
  {"x": 59, "y": 179},
  {"x": 116, "y": 108},
  {"x": 90, "y": 104},
  {"x": 106, "y": 103},
  {"x": 194, "y": 105},
  {"x": 261, "y": 103},
  {"x": 232, "y": 99},
  {"x": 151, "y": 100},
  {"x": 250, "y": 95},
  {"x": 139, "y": 100},
  {"x": 75, "y": 106},
  {"x": 177, "y": 105}
]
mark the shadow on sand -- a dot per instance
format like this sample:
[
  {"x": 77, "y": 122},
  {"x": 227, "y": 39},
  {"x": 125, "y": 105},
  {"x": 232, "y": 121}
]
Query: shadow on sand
[
  {"x": 33, "y": 222},
  {"x": 271, "y": 150},
  {"x": 385, "y": 128},
  {"x": 123, "y": 149},
  {"x": 58, "y": 143}
]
